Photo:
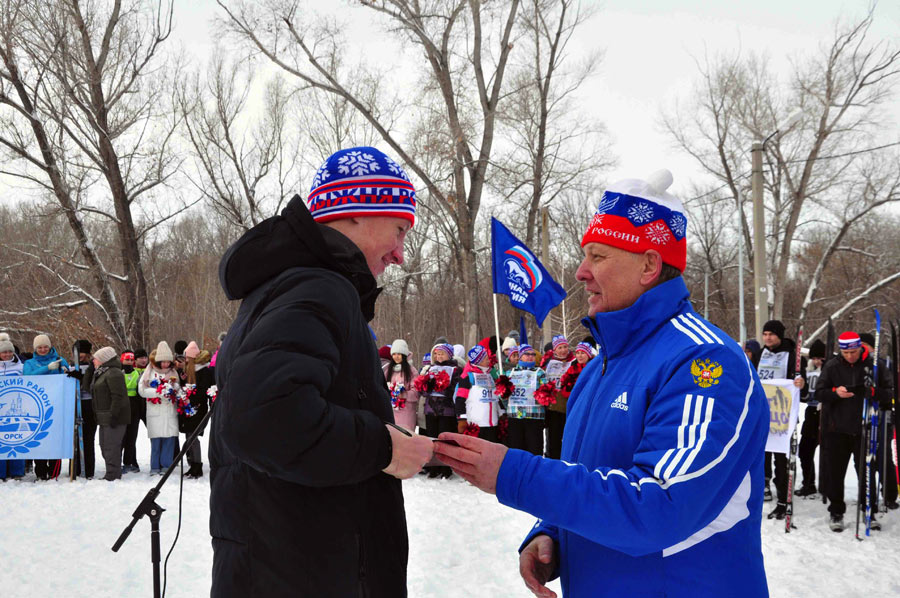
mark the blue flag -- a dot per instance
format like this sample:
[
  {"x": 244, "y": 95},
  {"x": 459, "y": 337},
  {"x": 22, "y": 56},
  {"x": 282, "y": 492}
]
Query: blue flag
[
  {"x": 37, "y": 414},
  {"x": 518, "y": 273}
]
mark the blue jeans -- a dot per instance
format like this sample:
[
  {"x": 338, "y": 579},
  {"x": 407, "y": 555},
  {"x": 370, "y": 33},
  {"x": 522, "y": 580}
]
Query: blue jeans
[
  {"x": 14, "y": 467},
  {"x": 162, "y": 452}
]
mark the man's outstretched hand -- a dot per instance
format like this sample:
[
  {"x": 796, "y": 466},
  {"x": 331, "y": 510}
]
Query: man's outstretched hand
[
  {"x": 409, "y": 454},
  {"x": 536, "y": 565},
  {"x": 475, "y": 460}
]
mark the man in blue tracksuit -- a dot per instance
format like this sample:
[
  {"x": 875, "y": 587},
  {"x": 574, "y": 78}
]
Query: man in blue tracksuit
[{"x": 659, "y": 488}]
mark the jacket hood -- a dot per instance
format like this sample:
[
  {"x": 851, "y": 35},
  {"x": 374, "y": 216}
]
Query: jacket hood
[{"x": 290, "y": 240}]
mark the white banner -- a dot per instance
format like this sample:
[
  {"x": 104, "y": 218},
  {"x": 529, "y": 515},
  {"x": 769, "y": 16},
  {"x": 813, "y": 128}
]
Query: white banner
[
  {"x": 784, "y": 409},
  {"x": 37, "y": 416}
]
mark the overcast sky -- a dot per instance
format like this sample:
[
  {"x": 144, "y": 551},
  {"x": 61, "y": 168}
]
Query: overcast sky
[{"x": 650, "y": 50}]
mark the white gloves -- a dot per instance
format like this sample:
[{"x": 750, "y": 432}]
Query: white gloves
[{"x": 53, "y": 365}]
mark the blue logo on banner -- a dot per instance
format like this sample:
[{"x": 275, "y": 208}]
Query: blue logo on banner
[
  {"x": 23, "y": 420},
  {"x": 27, "y": 417}
]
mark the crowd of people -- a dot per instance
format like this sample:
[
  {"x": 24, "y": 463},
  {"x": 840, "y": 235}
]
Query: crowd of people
[
  {"x": 833, "y": 388},
  {"x": 515, "y": 396},
  {"x": 168, "y": 390}
]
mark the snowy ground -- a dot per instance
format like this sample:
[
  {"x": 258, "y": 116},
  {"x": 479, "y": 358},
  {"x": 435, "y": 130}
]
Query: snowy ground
[{"x": 55, "y": 540}]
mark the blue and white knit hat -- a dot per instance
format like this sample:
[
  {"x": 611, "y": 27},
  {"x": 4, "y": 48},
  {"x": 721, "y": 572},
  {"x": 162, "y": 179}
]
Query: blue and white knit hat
[
  {"x": 477, "y": 355},
  {"x": 447, "y": 347},
  {"x": 586, "y": 348},
  {"x": 524, "y": 348},
  {"x": 559, "y": 340},
  {"x": 358, "y": 182}
]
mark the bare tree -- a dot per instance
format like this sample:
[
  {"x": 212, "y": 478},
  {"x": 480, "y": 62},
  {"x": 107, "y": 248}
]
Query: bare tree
[
  {"x": 245, "y": 170},
  {"x": 842, "y": 92},
  {"x": 554, "y": 147},
  {"x": 467, "y": 47},
  {"x": 83, "y": 87}
]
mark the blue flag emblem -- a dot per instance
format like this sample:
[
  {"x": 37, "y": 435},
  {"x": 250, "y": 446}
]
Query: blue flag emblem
[{"x": 518, "y": 274}]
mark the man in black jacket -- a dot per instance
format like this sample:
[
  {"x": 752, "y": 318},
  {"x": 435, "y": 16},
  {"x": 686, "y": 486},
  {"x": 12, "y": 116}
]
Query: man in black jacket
[
  {"x": 778, "y": 360},
  {"x": 306, "y": 497},
  {"x": 842, "y": 387}
]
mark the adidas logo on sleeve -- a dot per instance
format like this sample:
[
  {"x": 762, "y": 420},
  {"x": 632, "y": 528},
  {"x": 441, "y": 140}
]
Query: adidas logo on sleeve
[{"x": 621, "y": 402}]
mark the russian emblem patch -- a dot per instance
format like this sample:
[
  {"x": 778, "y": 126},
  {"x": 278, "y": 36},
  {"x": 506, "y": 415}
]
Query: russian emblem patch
[{"x": 705, "y": 372}]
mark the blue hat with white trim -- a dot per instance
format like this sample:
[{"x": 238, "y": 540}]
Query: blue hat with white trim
[{"x": 359, "y": 182}]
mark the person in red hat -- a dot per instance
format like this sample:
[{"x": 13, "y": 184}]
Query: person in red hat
[
  {"x": 658, "y": 490},
  {"x": 842, "y": 388}
]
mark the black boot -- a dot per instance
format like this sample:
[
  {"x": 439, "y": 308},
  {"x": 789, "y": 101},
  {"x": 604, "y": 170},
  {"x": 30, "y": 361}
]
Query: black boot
[
  {"x": 806, "y": 490},
  {"x": 779, "y": 511}
]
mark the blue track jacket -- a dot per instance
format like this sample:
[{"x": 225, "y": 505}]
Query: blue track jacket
[{"x": 660, "y": 486}]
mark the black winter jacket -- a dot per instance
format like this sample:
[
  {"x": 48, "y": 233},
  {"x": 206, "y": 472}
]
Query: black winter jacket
[
  {"x": 845, "y": 415},
  {"x": 111, "y": 404},
  {"x": 299, "y": 505}
]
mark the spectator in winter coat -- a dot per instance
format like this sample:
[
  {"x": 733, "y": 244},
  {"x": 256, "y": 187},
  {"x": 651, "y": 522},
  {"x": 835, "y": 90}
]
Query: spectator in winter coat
[
  {"x": 10, "y": 365},
  {"x": 476, "y": 403},
  {"x": 440, "y": 410},
  {"x": 85, "y": 374},
  {"x": 399, "y": 375},
  {"x": 221, "y": 339},
  {"x": 526, "y": 416},
  {"x": 305, "y": 459},
  {"x": 778, "y": 360},
  {"x": 809, "y": 433},
  {"x": 658, "y": 491},
  {"x": 111, "y": 407},
  {"x": 884, "y": 450},
  {"x": 137, "y": 411},
  {"x": 555, "y": 365},
  {"x": 162, "y": 415},
  {"x": 199, "y": 378},
  {"x": 842, "y": 386},
  {"x": 46, "y": 361}
]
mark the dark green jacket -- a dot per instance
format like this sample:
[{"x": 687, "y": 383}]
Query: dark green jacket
[{"x": 111, "y": 404}]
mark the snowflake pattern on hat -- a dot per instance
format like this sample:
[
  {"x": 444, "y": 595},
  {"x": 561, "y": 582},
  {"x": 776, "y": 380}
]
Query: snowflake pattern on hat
[
  {"x": 678, "y": 224},
  {"x": 640, "y": 213},
  {"x": 657, "y": 233},
  {"x": 359, "y": 182}
]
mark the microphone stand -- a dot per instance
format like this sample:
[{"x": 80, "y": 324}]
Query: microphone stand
[{"x": 152, "y": 510}]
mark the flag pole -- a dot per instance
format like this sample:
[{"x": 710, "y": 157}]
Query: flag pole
[{"x": 497, "y": 332}]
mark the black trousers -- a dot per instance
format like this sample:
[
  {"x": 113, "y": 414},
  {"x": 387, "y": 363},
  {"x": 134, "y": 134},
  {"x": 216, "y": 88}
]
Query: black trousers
[
  {"x": 129, "y": 443},
  {"x": 840, "y": 447},
  {"x": 434, "y": 426},
  {"x": 527, "y": 435},
  {"x": 45, "y": 469},
  {"x": 781, "y": 474},
  {"x": 809, "y": 440},
  {"x": 489, "y": 433},
  {"x": 556, "y": 422},
  {"x": 89, "y": 432}
]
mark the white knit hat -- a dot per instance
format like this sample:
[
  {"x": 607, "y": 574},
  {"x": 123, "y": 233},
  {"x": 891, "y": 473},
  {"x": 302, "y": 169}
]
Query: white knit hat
[
  {"x": 508, "y": 343},
  {"x": 400, "y": 346},
  {"x": 104, "y": 354},
  {"x": 41, "y": 340},
  {"x": 163, "y": 352},
  {"x": 4, "y": 336},
  {"x": 6, "y": 345}
]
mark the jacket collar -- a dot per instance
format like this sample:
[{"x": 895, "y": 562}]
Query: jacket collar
[{"x": 619, "y": 331}]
